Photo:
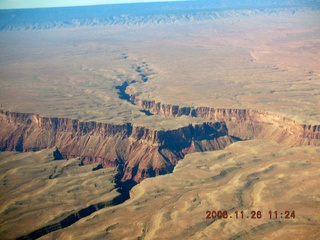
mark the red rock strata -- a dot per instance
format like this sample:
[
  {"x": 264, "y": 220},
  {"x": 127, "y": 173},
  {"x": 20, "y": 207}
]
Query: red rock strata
[
  {"x": 245, "y": 124},
  {"x": 138, "y": 151}
]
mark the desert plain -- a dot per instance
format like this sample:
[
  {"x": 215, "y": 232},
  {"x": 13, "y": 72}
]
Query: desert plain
[{"x": 246, "y": 59}]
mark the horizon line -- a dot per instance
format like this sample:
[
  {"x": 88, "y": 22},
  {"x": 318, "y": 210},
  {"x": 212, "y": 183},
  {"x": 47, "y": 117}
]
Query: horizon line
[{"x": 125, "y": 2}]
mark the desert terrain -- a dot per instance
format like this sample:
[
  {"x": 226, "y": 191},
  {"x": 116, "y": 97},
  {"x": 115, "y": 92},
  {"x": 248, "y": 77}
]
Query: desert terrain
[
  {"x": 243, "y": 177},
  {"x": 32, "y": 184},
  {"x": 223, "y": 104}
]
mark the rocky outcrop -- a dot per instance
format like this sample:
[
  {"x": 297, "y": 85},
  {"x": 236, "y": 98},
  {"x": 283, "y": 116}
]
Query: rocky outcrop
[
  {"x": 245, "y": 123},
  {"x": 138, "y": 152}
]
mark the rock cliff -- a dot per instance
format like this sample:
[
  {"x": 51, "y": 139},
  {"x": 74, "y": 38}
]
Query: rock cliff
[
  {"x": 245, "y": 123},
  {"x": 138, "y": 152},
  {"x": 141, "y": 152}
]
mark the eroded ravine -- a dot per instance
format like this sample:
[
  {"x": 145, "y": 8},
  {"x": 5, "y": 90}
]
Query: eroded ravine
[
  {"x": 244, "y": 124},
  {"x": 136, "y": 151},
  {"x": 141, "y": 152},
  {"x": 123, "y": 189}
]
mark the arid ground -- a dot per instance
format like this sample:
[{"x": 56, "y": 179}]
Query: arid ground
[{"x": 249, "y": 59}]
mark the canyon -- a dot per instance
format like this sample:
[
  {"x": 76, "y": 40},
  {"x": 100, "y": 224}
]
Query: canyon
[
  {"x": 132, "y": 121},
  {"x": 245, "y": 124},
  {"x": 138, "y": 152}
]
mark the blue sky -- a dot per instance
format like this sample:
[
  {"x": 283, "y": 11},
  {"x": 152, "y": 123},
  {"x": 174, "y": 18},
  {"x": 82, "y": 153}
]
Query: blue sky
[{"x": 9, "y": 4}]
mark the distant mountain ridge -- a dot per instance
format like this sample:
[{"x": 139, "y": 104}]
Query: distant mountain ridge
[{"x": 134, "y": 14}]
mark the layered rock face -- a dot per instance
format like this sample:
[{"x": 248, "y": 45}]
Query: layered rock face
[
  {"x": 141, "y": 152},
  {"x": 138, "y": 152},
  {"x": 245, "y": 124}
]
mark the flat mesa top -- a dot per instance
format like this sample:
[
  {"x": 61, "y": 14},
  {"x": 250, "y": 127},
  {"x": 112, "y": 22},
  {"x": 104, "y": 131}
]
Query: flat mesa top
[{"x": 246, "y": 59}]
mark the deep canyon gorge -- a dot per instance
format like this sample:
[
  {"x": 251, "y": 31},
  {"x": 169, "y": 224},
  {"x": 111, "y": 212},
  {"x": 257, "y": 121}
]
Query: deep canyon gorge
[
  {"x": 133, "y": 121},
  {"x": 140, "y": 152}
]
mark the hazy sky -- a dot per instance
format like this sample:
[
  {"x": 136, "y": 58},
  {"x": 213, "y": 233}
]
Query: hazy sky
[{"x": 8, "y": 4}]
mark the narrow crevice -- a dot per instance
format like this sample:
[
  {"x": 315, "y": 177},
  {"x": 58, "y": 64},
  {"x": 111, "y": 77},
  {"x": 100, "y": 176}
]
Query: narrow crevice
[
  {"x": 122, "y": 92},
  {"x": 98, "y": 167},
  {"x": 123, "y": 188},
  {"x": 146, "y": 112},
  {"x": 124, "y": 96},
  {"x": 236, "y": 139}
]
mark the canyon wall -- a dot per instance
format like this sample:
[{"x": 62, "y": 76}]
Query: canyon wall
[
  {"x": 138, "y": 152},
  {"x": 245, "y": 124},
  {"x": 141, "y": 152}
]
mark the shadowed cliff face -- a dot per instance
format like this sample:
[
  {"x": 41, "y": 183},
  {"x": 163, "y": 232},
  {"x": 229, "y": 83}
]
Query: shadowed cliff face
[
  {"x": 245, "y": 124},
  {"x": 138, "y": 152}
]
